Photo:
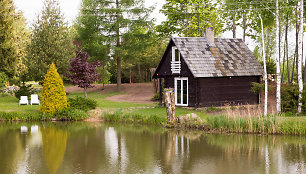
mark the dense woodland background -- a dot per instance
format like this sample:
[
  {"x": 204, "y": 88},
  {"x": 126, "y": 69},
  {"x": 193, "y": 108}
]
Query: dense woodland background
[{"x": 128, "y": 44}]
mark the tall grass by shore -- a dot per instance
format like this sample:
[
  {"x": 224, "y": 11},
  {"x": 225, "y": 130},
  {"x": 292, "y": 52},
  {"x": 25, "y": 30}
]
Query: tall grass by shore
[
  {"x": 119, "y": 116},
  {"x": 271, "y": 124}
]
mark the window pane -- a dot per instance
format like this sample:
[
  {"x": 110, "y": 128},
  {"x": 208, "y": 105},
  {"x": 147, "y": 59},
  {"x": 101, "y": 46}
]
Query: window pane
[
  {"x": 178, "y": 92},
  {"x": 177, "y": 54},
  {"x": 185, "y": 91}
]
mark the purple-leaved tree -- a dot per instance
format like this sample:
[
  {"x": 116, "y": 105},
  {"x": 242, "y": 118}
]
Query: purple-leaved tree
[{"x": 82, "y": 72}]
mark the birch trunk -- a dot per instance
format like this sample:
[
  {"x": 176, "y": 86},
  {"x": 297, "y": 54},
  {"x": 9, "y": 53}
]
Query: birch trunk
[
  {"x": 300, "y": 57},
  {"x": 305, "y": 72},
  {"x": 265, "y": 67},
  {"x": 278, "y": 77},
  {"x": 244, "y": 20},
  {"x": 234, "y": 26}
]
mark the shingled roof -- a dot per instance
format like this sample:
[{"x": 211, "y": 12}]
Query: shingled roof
[{"x": 228, "y": 57}]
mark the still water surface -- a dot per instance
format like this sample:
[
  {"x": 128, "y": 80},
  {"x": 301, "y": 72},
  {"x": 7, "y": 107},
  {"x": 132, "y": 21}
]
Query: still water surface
[{"x": 101, "y": 148}]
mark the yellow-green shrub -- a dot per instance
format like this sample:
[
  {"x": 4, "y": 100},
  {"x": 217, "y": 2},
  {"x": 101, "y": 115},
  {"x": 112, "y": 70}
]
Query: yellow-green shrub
[{"x": 53, "y": 93}]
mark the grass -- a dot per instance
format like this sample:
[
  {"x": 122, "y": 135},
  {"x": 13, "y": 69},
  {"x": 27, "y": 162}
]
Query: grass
[
  {"x": 245, "y": 119},
  {"x": 10, "y": 104},
  {"x": 258, "y": 124},
  {"x": 179, "y": 111}
]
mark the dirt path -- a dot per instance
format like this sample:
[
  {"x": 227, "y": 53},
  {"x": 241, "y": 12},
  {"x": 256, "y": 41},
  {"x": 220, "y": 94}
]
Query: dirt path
[{"x": 135, "y": 92}]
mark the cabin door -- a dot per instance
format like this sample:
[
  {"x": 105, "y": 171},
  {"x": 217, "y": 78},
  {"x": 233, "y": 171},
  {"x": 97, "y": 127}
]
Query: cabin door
[{"x": 181, "y": 91}]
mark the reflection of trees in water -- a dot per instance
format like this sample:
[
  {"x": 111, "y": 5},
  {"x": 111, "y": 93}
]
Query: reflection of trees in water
[
  {"x": 19, "y": 152},
  {"x": 272, "y": 154},
  {"x": 135, "y": 148},
  {"x": 11, "y": 149},
  {"x": 87, "y": 147},
  {"x": 85, "y": 151},
  {"x": 54, "y": 146}
]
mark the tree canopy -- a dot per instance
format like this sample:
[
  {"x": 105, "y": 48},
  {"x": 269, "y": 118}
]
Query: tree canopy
[
  {"x": 190, "y": 17},
  {"x": 51, "y": 41},
  {"x": 82, "y": 72},
  {"x": 8, "y": 49}
]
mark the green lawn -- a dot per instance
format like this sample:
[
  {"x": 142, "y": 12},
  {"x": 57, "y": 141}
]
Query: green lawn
[{"x": 10, "y": 104}]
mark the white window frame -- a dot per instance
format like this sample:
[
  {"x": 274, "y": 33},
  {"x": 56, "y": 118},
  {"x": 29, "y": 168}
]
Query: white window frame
[
  {"x": 173, "y": 54},
  {"x": 175, "y": 87},
  {"x": 175, "y": 65}
]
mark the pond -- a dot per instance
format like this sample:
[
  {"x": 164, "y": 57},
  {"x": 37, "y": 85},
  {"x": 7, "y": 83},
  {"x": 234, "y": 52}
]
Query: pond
[{"x": 103, "y": 148}]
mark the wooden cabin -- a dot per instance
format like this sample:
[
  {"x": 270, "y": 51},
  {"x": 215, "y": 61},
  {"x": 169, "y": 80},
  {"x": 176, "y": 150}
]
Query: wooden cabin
[{"x": 209, "y": 71}]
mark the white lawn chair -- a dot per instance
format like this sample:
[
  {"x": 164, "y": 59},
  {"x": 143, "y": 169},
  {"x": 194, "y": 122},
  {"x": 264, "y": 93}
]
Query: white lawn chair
[
  {"x": 23, "y": 100},
  {"x": 34, "y": 99}
]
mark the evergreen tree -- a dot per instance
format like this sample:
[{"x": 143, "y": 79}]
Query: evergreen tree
[
  {"x": 53, "y": 93},
  {"x": 88, "y": 33},
  {"x": 22, "y": 39},
  {"x": 51, "y": 41},
  {"x": 7, "y": 45},
  {"x": 116, "y": 18}
]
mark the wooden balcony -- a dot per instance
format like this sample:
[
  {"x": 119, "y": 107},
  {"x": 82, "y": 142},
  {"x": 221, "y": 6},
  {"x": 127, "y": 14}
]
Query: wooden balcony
[{"x": 176, "y": 67}]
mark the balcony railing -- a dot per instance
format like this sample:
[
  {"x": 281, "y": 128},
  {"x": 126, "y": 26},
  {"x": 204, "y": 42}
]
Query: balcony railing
[{"x": 176, "y": 67}]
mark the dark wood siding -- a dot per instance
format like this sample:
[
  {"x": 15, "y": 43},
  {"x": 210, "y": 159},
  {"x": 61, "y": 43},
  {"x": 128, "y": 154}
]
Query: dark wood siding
[
  {"x": 192, "y": 91},
  {"x": 224, "y": 90},
  {"x": 164, "y": 69}
]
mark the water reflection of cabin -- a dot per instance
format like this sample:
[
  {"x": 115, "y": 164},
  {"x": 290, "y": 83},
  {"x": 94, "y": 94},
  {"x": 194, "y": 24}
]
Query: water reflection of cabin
[{"x": 209, "y": 71}]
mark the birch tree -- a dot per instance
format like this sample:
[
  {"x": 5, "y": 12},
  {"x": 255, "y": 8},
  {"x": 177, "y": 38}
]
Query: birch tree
[
  {"x": 265, "y": 66},
  {"x": 300, "y": 57},
  {"x": 278, "y": 75}
]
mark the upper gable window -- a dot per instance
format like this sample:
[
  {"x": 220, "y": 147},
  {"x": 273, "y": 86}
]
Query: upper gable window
[{"x": 175, "y": 54}]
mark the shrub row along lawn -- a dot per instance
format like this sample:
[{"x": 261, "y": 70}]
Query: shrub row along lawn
[{"x": 151, "y": 114}]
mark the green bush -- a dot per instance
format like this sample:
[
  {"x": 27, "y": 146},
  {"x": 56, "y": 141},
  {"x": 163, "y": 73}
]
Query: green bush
[
  {"x": 290, "y": 96},
  {"x": 71, "y": 114},
  {"x": 257, "y": 88},
  {"x": 24, "y": 90},
  {"x": 82, "y": 103}
]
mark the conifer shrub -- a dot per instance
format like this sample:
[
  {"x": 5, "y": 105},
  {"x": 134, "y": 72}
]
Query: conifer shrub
[
  {"x": 53, "y": 93},
  {"x": 24, "y": 90}
]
